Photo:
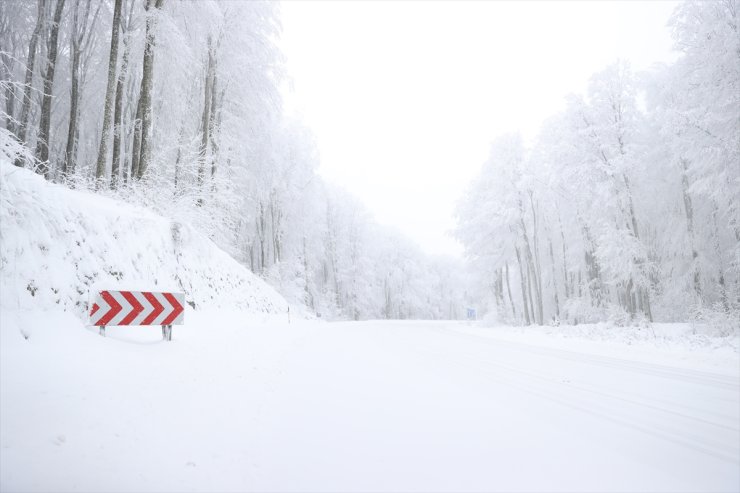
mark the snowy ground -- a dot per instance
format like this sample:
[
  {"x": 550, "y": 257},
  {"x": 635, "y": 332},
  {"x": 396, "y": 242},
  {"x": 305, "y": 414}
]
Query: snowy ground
[{"x": 237, "y": 404}]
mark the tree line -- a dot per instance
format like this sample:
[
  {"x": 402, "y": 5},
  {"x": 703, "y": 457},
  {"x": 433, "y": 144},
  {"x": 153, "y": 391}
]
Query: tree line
[{"x": 626, "y": 205}]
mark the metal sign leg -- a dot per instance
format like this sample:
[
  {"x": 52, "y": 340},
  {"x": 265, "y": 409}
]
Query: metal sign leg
[{"x": 102, "y": 330}]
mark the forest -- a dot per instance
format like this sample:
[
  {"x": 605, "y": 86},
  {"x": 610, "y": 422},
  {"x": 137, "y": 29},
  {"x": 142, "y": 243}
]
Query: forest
[
  {"x": 177, "y": 106},
  {"x": 625, "y": 207}
]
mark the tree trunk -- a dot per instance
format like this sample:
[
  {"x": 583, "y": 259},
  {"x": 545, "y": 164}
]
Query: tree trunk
[
  {"x": 215, "y": 119},
  {"x": 42, "y": 143},
  {"x": 68, "y": 167},
  {"x": 118, "y": 106},
  {"x": 178, "y": 158},
  {"x": 145, "y": 94},
  {"x": 26, "y": 106},
  {"x": 136, "y": 147},
  {"x": 720, "y": 264},
  {"x": 205, "y": 122},
  {"x": 554, "y": 280},
  {"x": 6, "y": 68},
  {"x": 529, "y": 293},
  {"x": 592, "y": 267},
  {"x": 643, "y": 293},
  {"x": 498, "y": 291},
  {"x": 308, "y": 297},
  {"x": 10, "y": 38},
  {"x": 74, "y": 99},
  {"x": 528, "y": 257},
  {"x": 565, "y": 262},
  {"x": 109, "y": 93},
  {"x": 523, "y": 285},
  {"x": 274, "y": 226},
  {"x": 688, "y": 206},
  {"x": 508, "y": 290},
  {"x": 278, "y": 236},
  {"x": 537, "y": 269},
  {"x": 261, "y": 236}
]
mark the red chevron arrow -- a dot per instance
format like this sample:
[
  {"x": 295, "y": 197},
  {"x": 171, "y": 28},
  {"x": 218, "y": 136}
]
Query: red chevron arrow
[
  {"x": 115, "y": 308},
  {"x": 136, "y": 308},
  {"x": 177, "y": 309},
  {"x": 158, "y": 308},
  {"x": 95, "y": 308}
]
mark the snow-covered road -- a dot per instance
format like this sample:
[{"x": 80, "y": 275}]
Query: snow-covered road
[{"x": 235, "y": 405}]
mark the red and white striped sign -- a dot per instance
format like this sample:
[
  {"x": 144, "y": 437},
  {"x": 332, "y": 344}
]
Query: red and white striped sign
[{"x": 137, "y": 308}]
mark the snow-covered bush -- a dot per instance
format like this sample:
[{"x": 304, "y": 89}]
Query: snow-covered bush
[
  {"x": 715, "y": 320},
  {"x": 581, "y": 311},
  {"x": 12, "y": 150}
]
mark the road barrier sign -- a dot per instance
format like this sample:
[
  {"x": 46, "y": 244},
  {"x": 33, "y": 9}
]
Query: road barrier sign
[{"x": 138, "y": 308}]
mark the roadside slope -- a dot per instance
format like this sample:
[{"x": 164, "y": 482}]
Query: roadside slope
[{"x": 57, "y": 244}]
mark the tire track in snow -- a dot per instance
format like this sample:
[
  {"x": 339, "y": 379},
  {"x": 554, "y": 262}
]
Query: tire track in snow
[
  {"x": 697, "y": 376},
  {"x": 691, "y": 427},
  {"x": 705, "y": 380}
]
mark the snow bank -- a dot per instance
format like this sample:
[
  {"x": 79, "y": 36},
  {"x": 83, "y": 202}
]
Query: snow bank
[{"x": 57, "y": 245}]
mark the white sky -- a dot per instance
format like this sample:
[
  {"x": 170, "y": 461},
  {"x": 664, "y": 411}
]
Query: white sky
[{"x": 405, "y": 97}]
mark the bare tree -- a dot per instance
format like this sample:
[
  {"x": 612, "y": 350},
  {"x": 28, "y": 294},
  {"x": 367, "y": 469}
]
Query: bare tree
[
  {"x": 144, "y": 112},
  {"x": 109, "y": 93},
  {"x": 118, "y": 112},
  {"x": 11, "y": 40},
  {"x": 31, "y": 60},
  {"x": 42, "y": 143},
  {"x": 80, "y": 33},
  {"x": 689, "y": 209},
  {"x": 206, "y": 119}
]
